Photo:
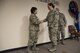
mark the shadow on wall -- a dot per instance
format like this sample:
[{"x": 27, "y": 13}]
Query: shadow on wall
[
  {"x": 41, "y": 34},
  {"x": 41, "y": 30},
  {"x": 24, "y": 32}
]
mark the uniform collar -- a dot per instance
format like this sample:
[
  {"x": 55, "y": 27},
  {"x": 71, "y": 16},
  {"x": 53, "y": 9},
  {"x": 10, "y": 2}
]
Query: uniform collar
[{"x": 33, "y": 14}]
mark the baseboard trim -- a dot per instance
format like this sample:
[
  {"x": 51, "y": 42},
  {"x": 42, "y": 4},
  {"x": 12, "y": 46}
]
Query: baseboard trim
[{"x": 24, "y": 47}]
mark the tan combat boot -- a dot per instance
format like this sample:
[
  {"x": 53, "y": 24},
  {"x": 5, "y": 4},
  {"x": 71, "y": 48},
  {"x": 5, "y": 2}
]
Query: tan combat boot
[
  {"x": 52, "y": 49},
  {"x": 29, "y": 50},
  {"x": 35, "y": 48}
]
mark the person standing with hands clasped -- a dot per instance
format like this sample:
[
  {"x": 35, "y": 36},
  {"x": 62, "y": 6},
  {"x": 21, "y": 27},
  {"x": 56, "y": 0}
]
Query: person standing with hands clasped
[{"x": 62, "y": 25}]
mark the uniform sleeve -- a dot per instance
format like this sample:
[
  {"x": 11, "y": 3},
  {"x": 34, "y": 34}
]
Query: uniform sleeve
[
  {"x": 65, "y": 21},
  {"x": 45, "y": 20},
  {"x": 50, "y": 17},
  {"x": 34, "y": 20}
]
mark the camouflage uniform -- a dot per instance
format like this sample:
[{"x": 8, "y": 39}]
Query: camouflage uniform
[
  {"x": 33, "y": 31},
  {"x": 62, "y": 24},
  {"x": 53, "y": 28}
]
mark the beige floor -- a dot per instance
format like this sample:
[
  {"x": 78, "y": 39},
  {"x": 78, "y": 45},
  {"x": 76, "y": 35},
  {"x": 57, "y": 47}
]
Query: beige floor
[{"x": 71, "y": 46}]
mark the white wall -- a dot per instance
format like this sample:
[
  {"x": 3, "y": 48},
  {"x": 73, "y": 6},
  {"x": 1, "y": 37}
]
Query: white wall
[
  {"x": 14, "y": 22},
  {"x": 78, "y": 1}
]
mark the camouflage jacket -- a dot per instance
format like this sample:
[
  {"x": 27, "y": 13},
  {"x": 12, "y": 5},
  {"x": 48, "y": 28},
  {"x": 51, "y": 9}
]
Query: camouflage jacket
[
  {"x": 62, "y": 20},
  {"x": 34, "y": 22},
  {"x": 51, "y": 19}
]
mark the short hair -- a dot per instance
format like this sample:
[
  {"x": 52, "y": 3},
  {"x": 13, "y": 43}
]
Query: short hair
[
  {"x": 33, "y": 9},
  {"x": 51, "y": 4},
  {"x": 57, "y": 9}
]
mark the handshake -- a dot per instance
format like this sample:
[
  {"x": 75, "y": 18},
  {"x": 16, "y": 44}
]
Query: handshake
[{"x": 41, "y": 21}]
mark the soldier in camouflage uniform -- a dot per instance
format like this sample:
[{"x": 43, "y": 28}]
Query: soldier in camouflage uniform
[
  {"x": 33, "y": 30},
  {"x": 52, "y": 26},
  {"x": 62, "y": 25}
]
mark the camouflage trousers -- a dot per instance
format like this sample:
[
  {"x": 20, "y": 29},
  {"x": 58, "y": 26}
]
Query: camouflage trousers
[
  {"x": 33, "y": 37},
  {"x": 53, "y": 32},
  {"x": 61, "y": 31}
]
